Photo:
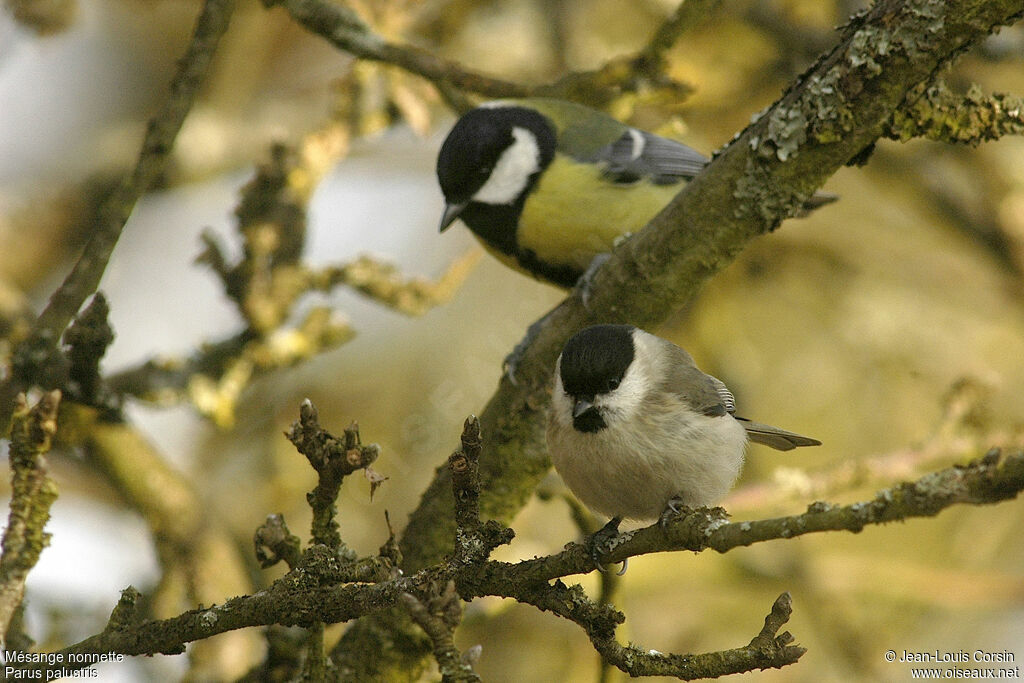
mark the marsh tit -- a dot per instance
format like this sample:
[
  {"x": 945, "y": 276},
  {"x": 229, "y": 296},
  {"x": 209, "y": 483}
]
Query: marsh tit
[
  {"x": 637, "y": 431},
  {"x": 547, "y": 185}
]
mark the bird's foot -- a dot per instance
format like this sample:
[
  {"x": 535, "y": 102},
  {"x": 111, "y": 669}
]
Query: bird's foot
[
  {"x": 512, "y": 360},
  {"x": 603, "y": 541},
  {"x": 587, "y": 279}
]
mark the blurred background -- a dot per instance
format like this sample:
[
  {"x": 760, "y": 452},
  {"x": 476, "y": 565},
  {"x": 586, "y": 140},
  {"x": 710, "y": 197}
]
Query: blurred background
[{"x": 890, "y": 325}]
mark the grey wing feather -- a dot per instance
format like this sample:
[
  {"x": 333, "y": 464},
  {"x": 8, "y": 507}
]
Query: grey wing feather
[
  {"x": 637, "y": 155},
  {"x": 702, "y": 393},
  {"x": 774, "y": 437},
  {"x": 709, "y": 396},
  {"x": 728, "y": 400}
]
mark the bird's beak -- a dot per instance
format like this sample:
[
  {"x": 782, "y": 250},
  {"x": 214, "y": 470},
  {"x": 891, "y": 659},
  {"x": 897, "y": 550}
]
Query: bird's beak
[
  {"x": 582, "y": 405},
  {"x": 451, "y": 212}
]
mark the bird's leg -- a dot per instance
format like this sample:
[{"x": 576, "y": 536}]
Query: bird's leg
[
  {"x": 587, "y": 279},
  {"x": 512, "y": 359},
  {"x": 603, "y": 541}
]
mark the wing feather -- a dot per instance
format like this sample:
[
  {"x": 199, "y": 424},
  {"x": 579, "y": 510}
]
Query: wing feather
[{"x": 639, "y": 155}]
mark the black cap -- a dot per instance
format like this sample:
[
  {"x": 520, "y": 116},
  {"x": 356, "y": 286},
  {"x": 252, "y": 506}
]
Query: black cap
[{"x": 595, "y": 360}]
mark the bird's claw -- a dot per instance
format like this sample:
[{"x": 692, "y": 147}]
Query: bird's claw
[
  {"x": 512, "y": 359},
  {"x": 603, "y": 541},
  {"x": 587, "y": 279},
  {"x": 674, "y": 509}
]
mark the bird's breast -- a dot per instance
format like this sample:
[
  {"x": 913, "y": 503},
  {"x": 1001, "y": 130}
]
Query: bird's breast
[
  {"x": 573, "y": 213},
  {"x": 633, "y": 470}
]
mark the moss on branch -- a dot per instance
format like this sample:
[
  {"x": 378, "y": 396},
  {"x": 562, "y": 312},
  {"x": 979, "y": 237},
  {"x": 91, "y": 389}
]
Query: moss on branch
[{"x": 32, "y": 494}]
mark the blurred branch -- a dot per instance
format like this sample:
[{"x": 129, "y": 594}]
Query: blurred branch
[
  {"x": 45, "y": 17},
  {"x": 688, "y": 14},
  {"x": 200, "y": 561},
  {"x": 35, "y": 353},
  {"x": 383, "y": 283},
  {"x": 943, "y": 115},
  {"x": 214, "y": 376},
  {"x": 956, "y": 436},
  {"x": 797, "y": 44},
  {"x": 344, "y": 29},
  {"x": 32, "y": 494},
  {"x": 267, "y": 282}
]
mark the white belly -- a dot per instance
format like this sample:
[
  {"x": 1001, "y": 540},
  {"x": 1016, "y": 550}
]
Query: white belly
[{"x": 632, "y": 472}]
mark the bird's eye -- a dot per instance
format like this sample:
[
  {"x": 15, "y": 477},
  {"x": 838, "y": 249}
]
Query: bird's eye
[{"x": 612, "y": 384}]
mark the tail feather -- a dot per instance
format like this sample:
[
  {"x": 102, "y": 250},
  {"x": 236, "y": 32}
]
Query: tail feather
[
  {"x": 774, "y": 437},
  {"x": 818, "y": 199}
]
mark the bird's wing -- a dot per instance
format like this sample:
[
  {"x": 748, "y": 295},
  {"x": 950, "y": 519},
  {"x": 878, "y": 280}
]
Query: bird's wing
[
  {"x": 638, "y": 155},
  {"x": 627, "y": 154},
  {"x": 778, "y": 439},
  {"x": 700, "y": 392}
]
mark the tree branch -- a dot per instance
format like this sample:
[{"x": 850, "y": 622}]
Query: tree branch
[
  {"x": 971, "y": 118},
  {"x": 767, "y": 650},
  {"x": 319, "y": 590},
  {"x": 34, "y": 353},
  {"x": 986, "y": 481},
  {"x": 438, "y": 615},
  {"x": 214, "y": 375},
  {"x": 332, "y": 459},
  {"x": 343, "y": 28}
]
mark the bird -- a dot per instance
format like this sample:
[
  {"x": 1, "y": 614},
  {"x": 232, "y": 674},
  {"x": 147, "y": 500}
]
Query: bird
[
  {"x": 547, "y": 185},
  {"x": 638, "y": 432}
]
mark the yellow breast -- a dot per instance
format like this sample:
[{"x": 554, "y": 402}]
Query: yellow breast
[{"x": 586, "y": 213}]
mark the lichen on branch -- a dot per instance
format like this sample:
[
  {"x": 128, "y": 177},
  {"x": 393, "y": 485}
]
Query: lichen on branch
[{"x": 32, "y": 494}]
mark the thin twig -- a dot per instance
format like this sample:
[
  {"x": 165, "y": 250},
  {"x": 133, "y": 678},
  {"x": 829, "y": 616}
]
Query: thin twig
[
  {"x": 32, "y": 494},
  {"x": 988, "y": 480},
  {"x": 333, "y": 459}
]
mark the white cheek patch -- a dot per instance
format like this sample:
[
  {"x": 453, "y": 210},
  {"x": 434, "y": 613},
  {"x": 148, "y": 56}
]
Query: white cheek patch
[
  {"x": 513, "y": 170},
  {"x": 625, "y": 402},
  {"x": 561, "y": 404}
]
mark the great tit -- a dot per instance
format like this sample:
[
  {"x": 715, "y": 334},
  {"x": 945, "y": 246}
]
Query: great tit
[
  {"x": 636, "y": 431},
  {"x": 547, "y": 184}
]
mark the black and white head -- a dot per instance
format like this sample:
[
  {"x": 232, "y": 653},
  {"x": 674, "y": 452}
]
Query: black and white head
[
  {"x": 603, "y": 377},
  {"x": 493, "y": 156}
]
